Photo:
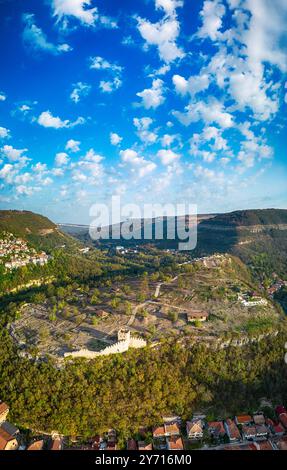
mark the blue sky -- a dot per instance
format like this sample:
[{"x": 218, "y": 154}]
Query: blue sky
[{"x": 155, "y": 100}]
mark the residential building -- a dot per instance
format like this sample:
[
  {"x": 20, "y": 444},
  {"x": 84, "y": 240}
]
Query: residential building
[
  {"x": 194, "y": 428},
  {"x": 243, "y": 419},
  {"x": 158, "y": 432},
  {"x": 196, "y": 315},
  {"x": 37, "y": 445},
  {"x": 216, "y": 429},
  {"x": 249, "y": 432},
  {"x": 232, "y": 430},
  {"x": 142, "y": 445},
  {"x": 56, "y": 444},
  {"x": 7, "y": 441},
  {"x": 174, "y": 443}
]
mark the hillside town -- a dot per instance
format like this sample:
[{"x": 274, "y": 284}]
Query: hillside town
[
  {"x": 242, "y": 432},
  {"x": 15, "y": 252}
]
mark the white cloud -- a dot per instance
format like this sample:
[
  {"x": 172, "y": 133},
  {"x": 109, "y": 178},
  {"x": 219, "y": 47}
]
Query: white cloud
[
  {"x": 99, "y": 63},
  {"x": 46, "y": 119},
  {"x": 61, "y": 159},
  {"x": 73, "y": 145},
  {"x": 142, "y": 166},
  {"x": 40, "y": 167},
  {"x": 167, "y": 156},
  {"x": 108, "y": 86},
  {"x": 211, "y": 14},
  {"x": 2, "y": 97},
  {"x": 4, "y": 132},
  {"x": 142, "y": 125},
  {"x": 212, "y": 111},
  {"x": 181, "y": 84},
  {"x": 79, "y": 176},
  {"x": 249, "y": 91},
  {"x": 24, "y": 108},
  {"x": 6, "y": 172},
  {"x": 163, "y": 35},
  {"x": 267, "y": 34},
  {"x": 80, "y": 90},
  {"x": 34, "y": 38},
  {"x": 153, "y": 97},
  {"x": 114, "y": 71},
  {"x": 169, "y": 6},
  {"x": 115, "y": 139},
  {"x": 13, "y": 154},
  {"x": 195, "y": 84},
  {"x": 81, "y": 10},
  {"x": 167, "y": 140}
]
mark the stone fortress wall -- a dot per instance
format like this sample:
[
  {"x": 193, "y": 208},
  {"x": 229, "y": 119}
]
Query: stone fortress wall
[{"x": 124, "y": 343}]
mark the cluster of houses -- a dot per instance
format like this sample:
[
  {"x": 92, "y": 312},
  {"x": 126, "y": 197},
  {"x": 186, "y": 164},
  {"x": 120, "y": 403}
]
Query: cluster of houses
[
  {"x": 251, "y": 299},
  {"x": 244, "y": 432},
  {"x": 275, "y": 287},
  {"x": 15, "y": 253}
]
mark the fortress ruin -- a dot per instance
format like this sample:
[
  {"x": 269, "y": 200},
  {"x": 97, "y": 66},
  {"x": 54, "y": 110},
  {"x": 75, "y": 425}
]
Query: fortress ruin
[{"x": 124, "y": 343}]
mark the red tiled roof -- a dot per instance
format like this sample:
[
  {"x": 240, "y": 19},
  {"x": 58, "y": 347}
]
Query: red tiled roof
[
  {"x": 243, "y": 419},
  {"x": 216, "y": 426},
  {"x": 175, "y": 443},
  {"x": 142, "y": 445},
  {"x": 264, "y": 445},
  {"x": 158, "y": 431},
  {"x": 171, "y": 428},
  {"x": 282, "y": 443},
  {"x": 56, "y": 444},
  {"x": 233, "y": 429},
  {"x": 37, "y": 445},
  {"x": 5, "y": 437}
]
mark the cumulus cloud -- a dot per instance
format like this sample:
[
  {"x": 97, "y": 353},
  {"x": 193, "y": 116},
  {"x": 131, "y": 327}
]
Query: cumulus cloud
[
  {"x": 2, "y": 96},
  {"x": 211, "y": 14},
  {"x": 80, "y": 90},
  {"x": 13, "y": 154},
  {"x": 267, "y": 34},
  {"x": 212, "y": 111},
  {"x": 114, "y": 72},
  {"x": 61, "y": 159},
  {"x": 4, "y": 132},
  {"x": 195, "y": 84},
  {"x": 73, "y": 145},
  {"x": 35, "y": 38},
  {"x": 46, "y": 119},
  {"x": 167, "y": 156},
  {"x": 138, "y": 163},
  {"x": 82, "y": 11},
  {"x": 115, "y": 139},
  {"x": 169, "y": 6},
  {"x": 142, "y": 125},
  {"x": 108, "y": 86},
  {"x": 163, "y": 35},
  {"x": 154, "y": 96}
]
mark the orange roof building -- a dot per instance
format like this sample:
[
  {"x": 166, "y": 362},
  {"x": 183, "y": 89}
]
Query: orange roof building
[{"x": 175, "y": 443}]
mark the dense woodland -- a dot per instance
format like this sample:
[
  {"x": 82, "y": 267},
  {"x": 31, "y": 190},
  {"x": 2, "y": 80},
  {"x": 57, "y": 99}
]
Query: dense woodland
[{"x": 126, "y": 391}]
